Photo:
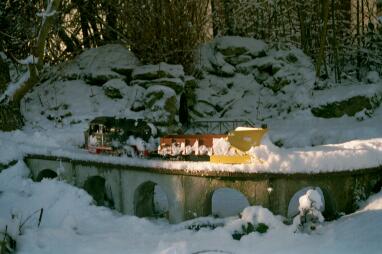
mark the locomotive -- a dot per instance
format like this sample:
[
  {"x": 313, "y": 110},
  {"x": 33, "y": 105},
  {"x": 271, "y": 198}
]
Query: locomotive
[{"x": 118, "y": 136}]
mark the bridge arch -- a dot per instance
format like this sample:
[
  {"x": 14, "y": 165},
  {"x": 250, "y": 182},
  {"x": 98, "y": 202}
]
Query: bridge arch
[
  {"x": 328, "y": 209},
  {"x": 151, "y": 200},
  {"x": 46, "y": 173},
  {"x": 97, "y": 187},
  {"x": 227, "y": 202}
]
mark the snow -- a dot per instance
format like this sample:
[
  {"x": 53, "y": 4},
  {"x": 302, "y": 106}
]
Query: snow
[
  {"x": 31, "y": 59},
  {"x": 102, "y": 62},
  {"x": 341, "y": 93},
  {"x": 171, "y": 71},
  {"x": 312, "y": 198},
  {"x": 72, "y": 224},
  {"x": 13, "y": 87},
  {"x": 253, "y": 46}
]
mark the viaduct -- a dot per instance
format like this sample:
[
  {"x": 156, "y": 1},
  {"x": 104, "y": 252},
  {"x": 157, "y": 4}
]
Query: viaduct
[{"x": 130, "y": 189}]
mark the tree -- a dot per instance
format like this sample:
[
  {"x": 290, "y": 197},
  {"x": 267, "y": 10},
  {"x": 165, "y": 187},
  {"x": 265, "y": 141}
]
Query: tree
[{"x": 38, "y": 51}]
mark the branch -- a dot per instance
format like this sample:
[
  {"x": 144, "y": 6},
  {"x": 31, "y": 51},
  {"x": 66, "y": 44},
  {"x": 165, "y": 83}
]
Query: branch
[{"x": 38, "y": 52}]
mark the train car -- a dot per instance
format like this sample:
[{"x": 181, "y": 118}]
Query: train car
[
  {"x": 118, "y": 136},
  {"x": 228, "y": 148}
]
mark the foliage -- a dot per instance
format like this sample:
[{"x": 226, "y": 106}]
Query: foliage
[{"x": 250, "y": 228}]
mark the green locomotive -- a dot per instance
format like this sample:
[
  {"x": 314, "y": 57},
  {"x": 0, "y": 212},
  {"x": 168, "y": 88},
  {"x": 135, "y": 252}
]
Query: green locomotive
[{"x": 118, "y": 136}]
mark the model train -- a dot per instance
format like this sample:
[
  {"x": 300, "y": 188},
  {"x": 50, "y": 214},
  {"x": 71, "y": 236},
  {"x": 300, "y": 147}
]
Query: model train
[
  {"x": 119, "y": 136},
  {"x": 132, "y": 137}
]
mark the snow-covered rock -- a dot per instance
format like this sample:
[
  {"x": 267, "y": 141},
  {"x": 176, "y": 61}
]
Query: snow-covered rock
[
  {"x": 246, "y": 78},
  {"x": 98, "y": 65},
  {"x": 114, "y": 88},
  {"x": 162, "y": 70}
]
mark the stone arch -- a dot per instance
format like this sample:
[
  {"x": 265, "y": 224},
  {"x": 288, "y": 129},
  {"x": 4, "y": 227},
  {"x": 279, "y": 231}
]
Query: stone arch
[
  {"x": 46, "y": 173},
  {"x": 150, "y": 200},
  {"x": 96, "y": 187},
  {"x": 328, "y": 209},
  {"x": 227, "y": 202}
]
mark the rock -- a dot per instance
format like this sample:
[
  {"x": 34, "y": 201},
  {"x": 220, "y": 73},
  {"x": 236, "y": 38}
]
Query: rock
[
  {"x": 260, "y": 76},
  {"x": 113, "y": 88},
  {"x": 235, "y": 46},
  {"x": 125, "y": 71},
  {"x": 162, "y": 70},
  {"x": 349, "y": 107},
  {"x": 291, "y": 58},
  {"x": 221, "y": 67},
  {"x": 263, "y": 64},
  {"x": 276, "y": 83},
  {"x": 235, "y": 60},
  {"x": 161, "y": 105},
  {"x": 175, "y": 83},
  {"x": 372, "y": 77},
  {"x": 4, "y": 75},
  {"x": 98, "y": 65},
  {"x": 227, "y": 70},
  {"x": 138, "y": 104}
]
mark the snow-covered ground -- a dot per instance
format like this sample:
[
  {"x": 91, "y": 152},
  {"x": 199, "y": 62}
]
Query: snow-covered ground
[
  {"x": 72, "y": 224},
  {"x": 58, "y": 110}
]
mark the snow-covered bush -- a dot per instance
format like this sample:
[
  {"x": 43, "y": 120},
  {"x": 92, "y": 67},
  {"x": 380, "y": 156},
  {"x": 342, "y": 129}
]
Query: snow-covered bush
[{"x": 310, "y": 216}]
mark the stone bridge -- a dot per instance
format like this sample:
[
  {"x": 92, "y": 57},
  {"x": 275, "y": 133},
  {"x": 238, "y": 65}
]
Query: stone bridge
[{"x": 130, "y": 189}]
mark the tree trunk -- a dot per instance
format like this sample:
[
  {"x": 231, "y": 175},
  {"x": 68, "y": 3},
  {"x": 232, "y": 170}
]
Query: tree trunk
[
  {"x": 38, "y": 52},
  {"x": 46, "y": 25},
  {"x": 111, "y": 22},
  {"x": 321, "y": 54},
  {"x": 335, "y": 45}
]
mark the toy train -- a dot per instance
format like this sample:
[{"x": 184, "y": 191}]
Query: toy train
[
  {"x": 109, "y": 135},
  {"x": 115, "y": 136},
  {"x": 229, "y": 148}
]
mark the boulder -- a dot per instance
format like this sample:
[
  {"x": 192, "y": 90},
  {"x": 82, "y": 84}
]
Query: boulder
[
  {"x": 276, "y": 83},
  {"x": 161, "y": 105},
  {"x": 236, "y": 45},
  {"x": 346, "y": 107},
  {"x": 174, "y": 83},
  {"x": 235, "y": 60},
  {"x": 220, "y": 67},
  {"x": 162, "y": 70},
  {"x": 138, "y": 103},
  {"x": 113, "y": 88},
  {"x": 98, "y": 65}
]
